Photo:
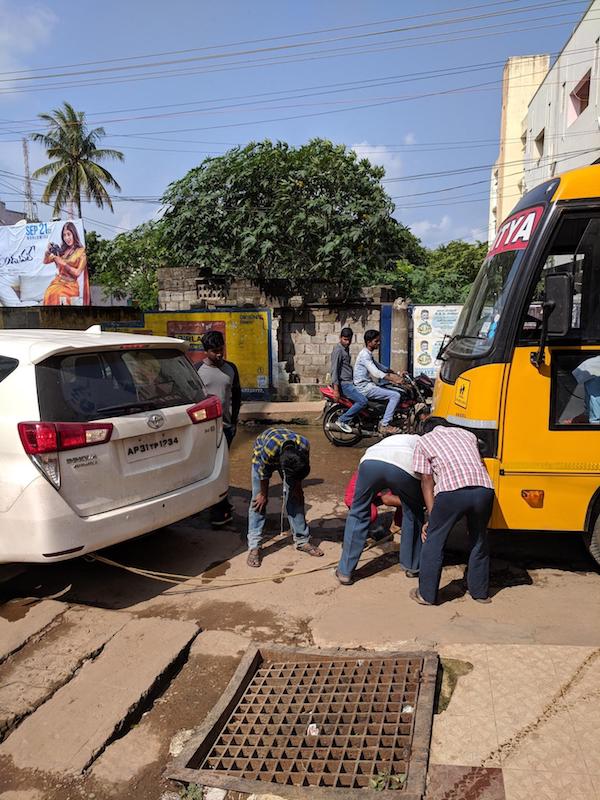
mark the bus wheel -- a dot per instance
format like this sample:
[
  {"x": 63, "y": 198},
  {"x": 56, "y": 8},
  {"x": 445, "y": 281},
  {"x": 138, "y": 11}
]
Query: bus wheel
[{"x": 592, "y": 537}]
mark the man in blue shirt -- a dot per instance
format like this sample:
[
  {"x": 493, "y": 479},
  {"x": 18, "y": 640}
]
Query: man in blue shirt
[{"x": 367, "y": 371}]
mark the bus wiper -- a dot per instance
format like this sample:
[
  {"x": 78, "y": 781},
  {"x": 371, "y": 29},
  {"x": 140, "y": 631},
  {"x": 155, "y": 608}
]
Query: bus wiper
[
  {"x": 137, "y": 405},
  {"x": 457, "y": 337},
  {"x": 445, "y": 345}
]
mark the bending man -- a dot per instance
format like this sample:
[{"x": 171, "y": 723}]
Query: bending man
[
  {"x": 455, "y": 484},
  {"x": 386, "y": 465},
  {"x": 287, "y": 452}
]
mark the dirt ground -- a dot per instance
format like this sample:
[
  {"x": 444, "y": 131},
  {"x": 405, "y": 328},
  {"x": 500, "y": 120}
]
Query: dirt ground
[{"x": 545, "y": 590}]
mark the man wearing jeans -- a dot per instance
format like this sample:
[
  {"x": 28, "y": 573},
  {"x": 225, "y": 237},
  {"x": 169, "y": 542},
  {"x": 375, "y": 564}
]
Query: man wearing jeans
[
  {"x": 222, "y": 379},
  {"x": 342, "y": 380},
  {"x": 367, "y": 371},
  {"x": 386, "y": 465},
  {"x": 289, "y": 453},
  {"x": 455, "y": 484}
]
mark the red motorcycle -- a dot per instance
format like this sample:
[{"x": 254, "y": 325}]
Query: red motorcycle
[{"x": 415, "y": 403}]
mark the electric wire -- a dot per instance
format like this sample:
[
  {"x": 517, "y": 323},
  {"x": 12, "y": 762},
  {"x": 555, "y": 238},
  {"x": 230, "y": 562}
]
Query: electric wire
[{"x": 319, "y": 55}]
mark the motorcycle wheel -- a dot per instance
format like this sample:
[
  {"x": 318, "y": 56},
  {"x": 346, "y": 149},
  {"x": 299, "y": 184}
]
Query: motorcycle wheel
[{"x": 333, "y": 434}]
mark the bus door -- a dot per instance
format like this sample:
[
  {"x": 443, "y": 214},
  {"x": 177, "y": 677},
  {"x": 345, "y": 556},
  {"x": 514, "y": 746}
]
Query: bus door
[{"x": 550, "y": 428}]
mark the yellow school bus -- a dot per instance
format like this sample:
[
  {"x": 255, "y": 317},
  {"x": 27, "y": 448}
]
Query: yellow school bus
[{"x": 522, "y": 368}]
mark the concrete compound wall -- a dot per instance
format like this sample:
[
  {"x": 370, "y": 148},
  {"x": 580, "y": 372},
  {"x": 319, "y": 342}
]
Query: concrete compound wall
[
  {"x": 66, "y": 317},
  {"x": 304, "y": 329},
  {"x": 307, "y": 336}
]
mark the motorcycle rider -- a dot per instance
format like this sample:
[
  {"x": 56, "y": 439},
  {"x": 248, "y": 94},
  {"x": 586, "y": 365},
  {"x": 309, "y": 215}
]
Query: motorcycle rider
[
  {"x": 342, "y": 380},
  {"x": 367, "y": 370}
]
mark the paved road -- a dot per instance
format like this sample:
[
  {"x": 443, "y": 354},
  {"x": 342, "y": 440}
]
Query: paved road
[{"x": 545, "y": 589}]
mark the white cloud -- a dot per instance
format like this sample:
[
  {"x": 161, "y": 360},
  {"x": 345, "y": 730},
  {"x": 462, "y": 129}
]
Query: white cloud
[
  {"x": 381, "y": 156},
  {"x": 410, "y": 138},
  {"x": 24, "y": 28},
  {"x": 433, "y": 233}
]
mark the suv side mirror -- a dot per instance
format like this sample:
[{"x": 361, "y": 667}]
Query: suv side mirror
[{"x": 558, "y": 291}]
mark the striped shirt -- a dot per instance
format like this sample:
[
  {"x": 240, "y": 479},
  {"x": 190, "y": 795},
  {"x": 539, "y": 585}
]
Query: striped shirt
[
  {"x": 268, "y": 446},
  {"x": 451, "y": 455}
]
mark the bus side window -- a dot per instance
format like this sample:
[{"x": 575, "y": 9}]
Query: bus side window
[
  {"x": 575, "y": 388},
  {"x": 575, "y": 250}
]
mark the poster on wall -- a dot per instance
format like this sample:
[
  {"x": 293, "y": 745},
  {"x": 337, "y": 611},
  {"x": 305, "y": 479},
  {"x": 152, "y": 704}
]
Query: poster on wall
[
  {"x": 43, "y": 264},
  {"x": 430, "y": 325},
  {"x": 192, "y": 332}
]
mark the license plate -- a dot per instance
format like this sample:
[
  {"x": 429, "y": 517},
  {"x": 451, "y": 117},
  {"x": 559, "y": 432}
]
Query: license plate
[{"x": 154, "y": 444}]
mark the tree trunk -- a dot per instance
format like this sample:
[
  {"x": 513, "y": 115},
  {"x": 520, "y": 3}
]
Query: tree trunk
[{"x": 79, "y": 205}]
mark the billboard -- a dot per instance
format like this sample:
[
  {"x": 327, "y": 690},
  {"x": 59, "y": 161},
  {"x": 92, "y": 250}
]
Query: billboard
[
  {"x": 247, "y": 335},
  {"x": 430, "y": 324},
  {"x": 43, "y": 264}
]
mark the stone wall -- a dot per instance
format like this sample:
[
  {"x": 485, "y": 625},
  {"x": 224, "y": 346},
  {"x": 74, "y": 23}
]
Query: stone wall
[
  {"x": 66, "y": 317},
  {"x": 307, "y": 336},
  {"x": 305, "y": 329}
]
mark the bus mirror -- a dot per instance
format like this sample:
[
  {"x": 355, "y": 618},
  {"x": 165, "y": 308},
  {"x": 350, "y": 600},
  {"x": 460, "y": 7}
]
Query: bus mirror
[{"x": 558, "y": 303}]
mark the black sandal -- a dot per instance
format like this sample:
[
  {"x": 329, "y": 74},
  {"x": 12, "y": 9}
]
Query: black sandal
[
  {"x": 254, "y": 558},
  {"x": 310, "y": 549}
]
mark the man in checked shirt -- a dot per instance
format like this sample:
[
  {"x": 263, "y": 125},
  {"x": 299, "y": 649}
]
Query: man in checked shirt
[
  {"x": 289, "y": 453},
  {"x": 455, "y": 484}
]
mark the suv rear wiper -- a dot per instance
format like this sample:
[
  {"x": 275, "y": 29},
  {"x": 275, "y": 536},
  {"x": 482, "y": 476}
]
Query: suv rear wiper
[{"x": 143, "y": 405}]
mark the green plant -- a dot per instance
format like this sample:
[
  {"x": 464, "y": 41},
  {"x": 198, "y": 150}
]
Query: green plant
[
  {"x": 127, "y": 264},
  {"x": 303, "y": 215},
  {"x": 192, "y": 792},
  {"x": 387, "y": 780},
  {"x": 75, "y": 170}
]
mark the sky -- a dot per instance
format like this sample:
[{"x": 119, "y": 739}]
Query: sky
[{"x": 414, "y": 86}]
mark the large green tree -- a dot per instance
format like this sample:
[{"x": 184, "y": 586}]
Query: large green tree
[
  {"x": 447, "y": 274},
  {"x": 315, "y": 213},
  {"x": 126, "y": 265},
  {"x": 75, "y": 170}
]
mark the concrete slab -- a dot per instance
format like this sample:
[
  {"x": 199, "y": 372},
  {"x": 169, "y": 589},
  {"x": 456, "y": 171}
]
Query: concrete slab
[
  {"x": 264, "y": 410},
  {"x": 16, "y": 631},
  {"x": 102, "y": 694},
  {"x": 32, "y": 675},
  {"x": 22, "y": 794},
  {"x": 136, "y": 751},
  {"x": 218, "y": 643}
]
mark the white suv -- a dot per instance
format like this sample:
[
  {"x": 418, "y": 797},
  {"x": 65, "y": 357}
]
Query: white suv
[{"x": 103, "y": 437}]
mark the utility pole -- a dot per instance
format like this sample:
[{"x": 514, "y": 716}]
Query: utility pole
[{"x": 30, "y": 206}]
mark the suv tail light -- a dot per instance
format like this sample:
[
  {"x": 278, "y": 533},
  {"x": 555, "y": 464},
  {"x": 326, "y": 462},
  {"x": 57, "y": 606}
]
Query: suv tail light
[
  {"x": 206, "y": 411},
  {"x": 43, "y": 441}
]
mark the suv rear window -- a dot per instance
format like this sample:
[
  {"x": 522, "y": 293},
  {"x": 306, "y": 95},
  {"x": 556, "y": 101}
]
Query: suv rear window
[{"x": 111, "y": 383}]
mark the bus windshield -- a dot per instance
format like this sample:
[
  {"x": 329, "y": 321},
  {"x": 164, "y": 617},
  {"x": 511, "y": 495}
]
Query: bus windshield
[
  {"x": 483, "y": 309},
  {"x": 486, "y": 303}
]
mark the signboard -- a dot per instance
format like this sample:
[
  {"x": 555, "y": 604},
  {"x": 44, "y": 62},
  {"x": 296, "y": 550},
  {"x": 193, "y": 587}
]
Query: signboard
[
  {"x": 192, "y": 332},
  {"x": 43, "y": 263},
  {"x": 516, "y": 231},
  {"x": 430, "y": 324},
  {"x": 247, "y": 336}
]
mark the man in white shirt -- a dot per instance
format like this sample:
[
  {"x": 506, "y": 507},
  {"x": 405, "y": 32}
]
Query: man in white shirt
[
  {"x": 367, "y": 370},
  {"x": 386, "y": 465}
]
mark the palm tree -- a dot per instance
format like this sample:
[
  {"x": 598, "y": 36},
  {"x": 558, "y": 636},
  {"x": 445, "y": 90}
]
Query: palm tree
[{"x": 75, "y": 170}]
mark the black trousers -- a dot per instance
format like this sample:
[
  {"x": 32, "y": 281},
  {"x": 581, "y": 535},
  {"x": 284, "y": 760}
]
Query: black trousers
[{"x": 474, "y": 503}]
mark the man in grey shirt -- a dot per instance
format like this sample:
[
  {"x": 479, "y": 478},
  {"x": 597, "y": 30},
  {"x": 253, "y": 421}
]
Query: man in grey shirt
[
  {"x": 342, "y": 380},
  {"x": 222, "y": 379},
  {"x": 367, "y": 371}
]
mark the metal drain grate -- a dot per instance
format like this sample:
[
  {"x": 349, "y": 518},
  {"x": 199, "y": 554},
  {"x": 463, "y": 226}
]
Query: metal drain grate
[{"x": 329, "y": 721}]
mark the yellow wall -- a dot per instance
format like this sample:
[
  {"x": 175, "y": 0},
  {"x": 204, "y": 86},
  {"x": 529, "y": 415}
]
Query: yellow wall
[{"x": 247, "y": 338}]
